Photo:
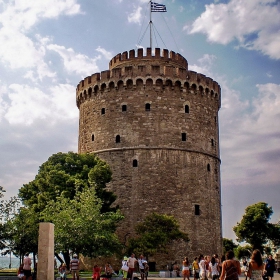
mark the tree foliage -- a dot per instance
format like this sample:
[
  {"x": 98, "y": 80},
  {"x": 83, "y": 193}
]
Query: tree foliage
[
  {"x": 228, "y": 245},
  {"x": 65, "y": 174},
  {"x": 254, "y": 227},
  {"x": 155, "y": 233},
  {"x": 80, "y": 225},
  {"x": 243, "y": 251}
]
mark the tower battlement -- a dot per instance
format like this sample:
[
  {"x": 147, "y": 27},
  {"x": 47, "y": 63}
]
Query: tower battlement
[{"x": 130, "y": 57}]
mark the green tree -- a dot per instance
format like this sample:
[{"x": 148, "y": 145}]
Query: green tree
[
  {"x": 254, "y": 227},
  {"x": 80, "y": 225},
  {"x": 65, "y": 174},
  {"x": 228, "y": 244},
  {"x": 155, "y": 233},
  {"x": 243, "y": 251}
]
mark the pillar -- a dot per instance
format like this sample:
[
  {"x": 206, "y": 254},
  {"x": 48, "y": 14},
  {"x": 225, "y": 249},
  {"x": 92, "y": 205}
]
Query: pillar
[{"x": 45, "y": 266}]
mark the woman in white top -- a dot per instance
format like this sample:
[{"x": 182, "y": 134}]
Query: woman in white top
[
  {"x": 256, "y": 266},
  {"x": 186, "y": 269},
  {"x": 214, "y": 268}
]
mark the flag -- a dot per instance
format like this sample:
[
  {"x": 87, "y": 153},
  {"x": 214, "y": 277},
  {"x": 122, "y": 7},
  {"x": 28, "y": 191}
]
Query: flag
[{"x": 155, "y": 7}]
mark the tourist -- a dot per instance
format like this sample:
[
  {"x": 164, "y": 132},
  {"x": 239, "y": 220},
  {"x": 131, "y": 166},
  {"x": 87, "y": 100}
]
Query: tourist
[
  {"x": 270, "y": 267},
  {"x": 186, "y": 269},
  {"x": 131, "y": 265},
  {"x": 256, "y": 266},
  {"x": 176, "y": 269},
  {"x": 230, "y": 268},
  {"x": 75, "y": 267},
  {"x": 63, "y": 271},
  {"x": 124, "y": 268},
  {"x": 202, "y": 267},
  {"x": 195, "y": 268},
  {"x": 27, "y": 267},
  {"x": 96, "y": 272},
  {"x": 214, "y": 268},
  {"x": 141, "y": 264},
  {"x": 20, "y": 272}
]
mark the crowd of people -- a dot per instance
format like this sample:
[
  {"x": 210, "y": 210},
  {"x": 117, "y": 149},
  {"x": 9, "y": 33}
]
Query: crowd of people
[
  {"x": 202, "y": 268},
  {"x": 227, "y": 267}
]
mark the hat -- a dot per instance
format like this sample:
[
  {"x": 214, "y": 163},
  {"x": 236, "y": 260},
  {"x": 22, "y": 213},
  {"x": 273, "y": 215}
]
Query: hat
[
  {"x": 75, "y": 256},
  {"x": 125, "y": 258}
]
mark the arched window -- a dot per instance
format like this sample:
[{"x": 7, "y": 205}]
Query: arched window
[
  {"x": 135, "y": 163},
  {"x": 118, "y": 139},
  {"x": 187, "y": 109},
  {"x": 208, "y": 167},
  {"x": 124, "y": 108},
  {"x": 184, "y": 136},
  {"x": 92, "y": 137},
  {"x": 103, "y": 111},
  {"x": 148, "y": 107}
]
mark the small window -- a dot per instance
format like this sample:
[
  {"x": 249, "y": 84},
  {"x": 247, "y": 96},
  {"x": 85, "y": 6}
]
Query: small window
[
  {"x": 103, "y": 111},
  {"x": 92, "y": 137},
  {"x": 208, "y": 167},
  {"x": 148, "y": 107},
  {"x": 184, "y": 136},
  {"x": 135, "y": 163},
  {"x": 196, "y": 210},
  {"x": 212, "y": 142},
  {"x": 124, "y": 108},
  {"x": 118, "y": 139},
  {"x": 187, "y": 109}
]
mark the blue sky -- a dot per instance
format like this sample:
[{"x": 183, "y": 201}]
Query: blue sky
[{"x": 48, "y": 46}]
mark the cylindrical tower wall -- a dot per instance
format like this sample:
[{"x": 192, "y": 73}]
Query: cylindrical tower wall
[{"x": 156, "y": 124}]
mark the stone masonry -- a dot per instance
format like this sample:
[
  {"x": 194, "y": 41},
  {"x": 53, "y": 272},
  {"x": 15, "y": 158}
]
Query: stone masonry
[{"x": 156, "y": 124}]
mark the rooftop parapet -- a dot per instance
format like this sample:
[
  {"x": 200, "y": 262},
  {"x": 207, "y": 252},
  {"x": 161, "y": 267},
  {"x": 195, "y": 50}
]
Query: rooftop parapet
[{"x": 166, "y": 56}]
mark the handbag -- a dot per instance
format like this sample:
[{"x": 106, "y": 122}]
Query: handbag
[{"x": 124, "y": 267}]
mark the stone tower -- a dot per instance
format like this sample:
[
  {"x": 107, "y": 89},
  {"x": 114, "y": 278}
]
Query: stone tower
[{"x": 156, "y": 124}]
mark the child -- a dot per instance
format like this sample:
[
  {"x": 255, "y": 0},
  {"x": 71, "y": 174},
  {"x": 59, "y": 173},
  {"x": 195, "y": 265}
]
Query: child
[
  {"x": 96, "y": 272},
  {"x": 63, "y": 271}
]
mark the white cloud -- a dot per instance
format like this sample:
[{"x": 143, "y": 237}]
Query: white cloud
[
  {"x": 108, "y": 55},
  {"x": 75, "y": 62},
  {"x": 28, "y": 104},
  {"x": 250, "y": 138},
  {"x": 253, "y": 23},
  {"x": 23, "y": 14},
  {"x": 135, "y": 16}
]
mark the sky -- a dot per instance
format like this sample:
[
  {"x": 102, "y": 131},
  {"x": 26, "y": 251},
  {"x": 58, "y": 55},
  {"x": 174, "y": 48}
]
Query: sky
[{"x": 47, "y": 47}]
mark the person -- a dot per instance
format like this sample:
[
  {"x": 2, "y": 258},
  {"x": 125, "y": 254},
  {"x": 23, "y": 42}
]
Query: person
[
  {"x": 202, "y": 268},
  {"x": 207, "y": 272},
  {"x": 108, "y": 270},
  {"x": 96, "y": 272},
  {"x": 176, "y": 269},
  {"x": 131, "y": 265},
  {"x": 20, "y": 272},
  {"x": 146, "y": 268},
  {"x": 27, "y": 267},
  {"x": 186, "y": 269},
  {"x": 75, "y": 267},
  {"x": 223, "y": 258},
  {"x": 63, "y": 271},
  {"x": 214, "y": 268},
  {"x": 195, "y": 268},
  {"x": 230, "y": 268},
  {"x": 141, "y": 264},
  {"x": 256, "y": 266},
  {"x": 124, "y": 267},
  {"x": 270, "y": 267}
]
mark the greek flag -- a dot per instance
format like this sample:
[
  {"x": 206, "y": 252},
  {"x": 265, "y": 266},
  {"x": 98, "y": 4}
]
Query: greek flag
[{"x": 155, "y": 7}]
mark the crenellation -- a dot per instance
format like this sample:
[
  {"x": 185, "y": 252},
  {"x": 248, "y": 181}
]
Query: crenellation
[
  {"x": 105, "y": 75},
  {"x": 125, "y": 55}
]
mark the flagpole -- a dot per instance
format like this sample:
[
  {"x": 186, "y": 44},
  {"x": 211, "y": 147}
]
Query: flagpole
[{"x": 151, "y": 24}]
